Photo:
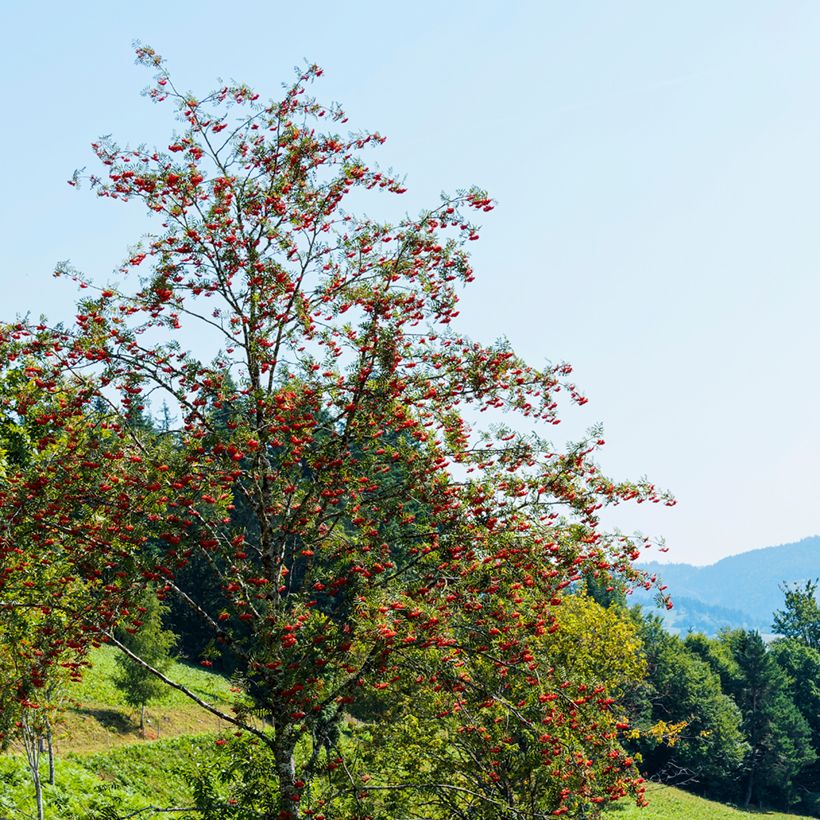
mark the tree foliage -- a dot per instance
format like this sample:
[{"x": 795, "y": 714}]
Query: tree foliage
[
  {"x": 42, "y": 607},
  {"x": 689, "y": 730},
  {"x": 778, "y": 735},
  {"x": 490, "y": 753},
  {"x": 798, "y": 655},
  {"x": 800, "y": 618}
]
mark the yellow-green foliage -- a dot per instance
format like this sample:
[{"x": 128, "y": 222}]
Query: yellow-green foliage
[{"x": 595, "y": 644}]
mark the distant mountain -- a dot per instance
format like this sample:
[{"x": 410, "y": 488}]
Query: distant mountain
[
  {"x": 739, "y": 591},
  {"x": 691, "y": 615}
]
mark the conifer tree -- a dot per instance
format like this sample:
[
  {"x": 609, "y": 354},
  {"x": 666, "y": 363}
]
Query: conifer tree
[
  {"x": 778, "y": 735},
  {"x": 144, "y": 636}
]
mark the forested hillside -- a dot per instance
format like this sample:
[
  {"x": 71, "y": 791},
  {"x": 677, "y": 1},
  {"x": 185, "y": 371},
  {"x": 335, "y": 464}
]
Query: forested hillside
[{"x": 739, "y": 591}]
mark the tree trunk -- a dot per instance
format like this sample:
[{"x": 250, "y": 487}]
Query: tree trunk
[
  {"x": 38, "y": 793},
  {"x": 50, "y": 746},
  {"x": 749, "y": 788},
  {"x": 142, "y": 720},
  {"x": 31, "y": 744},
  {"x": 289, "y": 794}
]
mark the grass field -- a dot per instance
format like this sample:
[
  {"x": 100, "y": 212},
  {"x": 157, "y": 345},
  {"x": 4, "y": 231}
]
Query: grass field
[
  {"x": 101, "y": 759},
  {"x": 158, "y": 773},
  {"x": 125, "y": 779},
  {"x": 667, "y": 803},
  {"x": 97, "y": 717},
  {"x": 97, "y": 687}
]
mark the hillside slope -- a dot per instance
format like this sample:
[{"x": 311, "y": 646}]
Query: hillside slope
[
  {"x": 668, "y": 803},
  {"x": 95, "y": 716},
  {"x": 104, "y": 766},
  {"x": 738, "y": 591}
]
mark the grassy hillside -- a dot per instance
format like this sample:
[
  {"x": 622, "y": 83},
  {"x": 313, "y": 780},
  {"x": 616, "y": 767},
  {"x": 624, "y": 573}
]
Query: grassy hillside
[
  {"x": 97, "y": 688},
  {"x": 102, "y": 761},
  {"x": 97, "y": 718},
  {"x": 667, "y": 803},
  {"x": 126, "y": 779},
  {"x": 157, "y": 774}
]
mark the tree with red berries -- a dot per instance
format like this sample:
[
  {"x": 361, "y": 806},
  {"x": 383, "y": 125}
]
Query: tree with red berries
[
  {"x": 361, "y": 533},
  {"x": 52, "y": 564}
]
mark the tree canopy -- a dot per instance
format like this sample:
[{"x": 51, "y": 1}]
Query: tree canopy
[{"x": 800, "y": 617}]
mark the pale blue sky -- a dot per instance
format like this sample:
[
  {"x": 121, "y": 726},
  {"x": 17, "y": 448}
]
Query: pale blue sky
[{"x": 658, "y": 178}]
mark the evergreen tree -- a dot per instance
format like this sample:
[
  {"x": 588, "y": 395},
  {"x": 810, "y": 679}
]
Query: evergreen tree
[
  {"x": 778, "y": 735},
  {"x": 801, "y": 664},
  {"x": 717, "y": 653},
  {"x": 145, "y": 637},
  {"x": 166, "y": 418},
  {"x": 800, "y": 619},
  {"x": 798, "y": 655},
  {"x": 690, "y": 730}
]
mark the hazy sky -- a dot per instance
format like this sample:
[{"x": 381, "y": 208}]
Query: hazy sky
[{"x": 656, "y": 165}]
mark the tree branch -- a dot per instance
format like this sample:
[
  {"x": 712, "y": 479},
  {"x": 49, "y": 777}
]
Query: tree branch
[{"x": 188, "y": 693}]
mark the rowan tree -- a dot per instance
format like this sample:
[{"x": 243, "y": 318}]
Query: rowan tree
[
  {"x": 362, "y": 529},
  {"x": 457, "y": 749},
  {"x": 45, "y": 605}
]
